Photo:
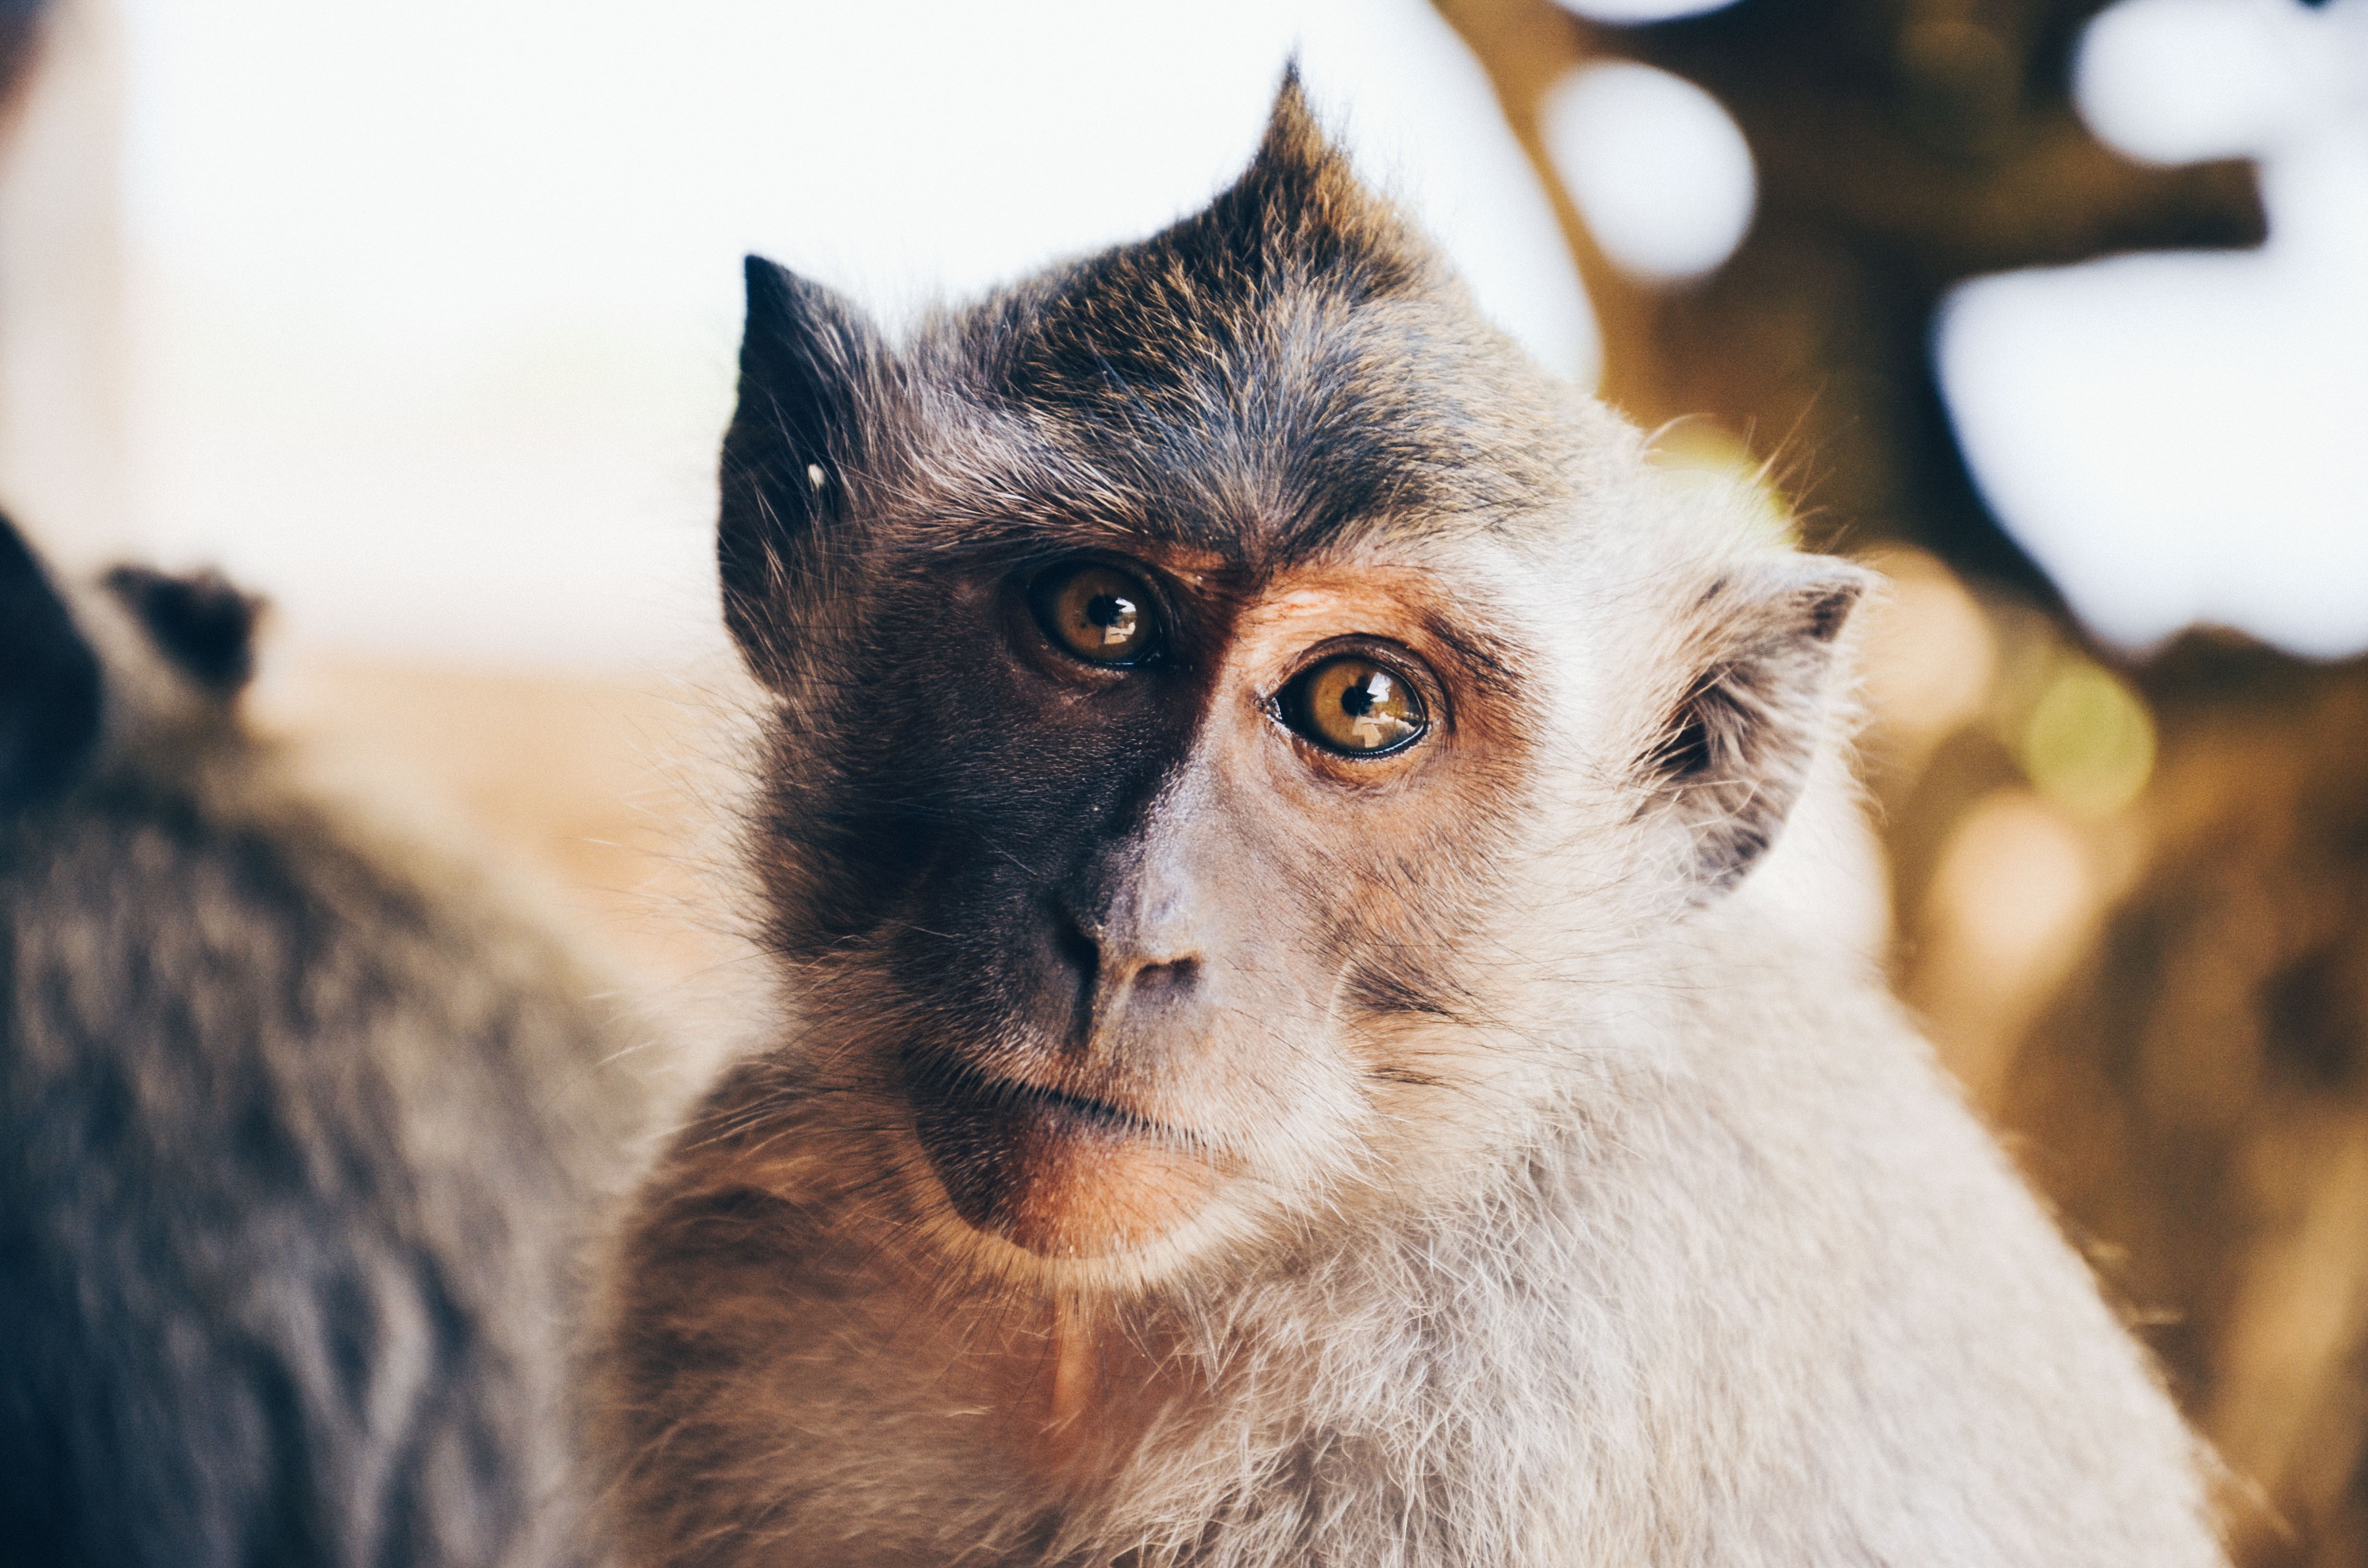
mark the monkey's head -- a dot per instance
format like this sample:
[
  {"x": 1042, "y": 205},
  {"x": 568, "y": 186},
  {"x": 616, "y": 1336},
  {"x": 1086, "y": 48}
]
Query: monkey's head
[{"x": 1227, "y": 704}]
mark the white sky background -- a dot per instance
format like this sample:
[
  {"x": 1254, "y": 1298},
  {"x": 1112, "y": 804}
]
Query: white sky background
[
  {"x": 431, "y": 306},
  {"x": 434, "y": 304}
]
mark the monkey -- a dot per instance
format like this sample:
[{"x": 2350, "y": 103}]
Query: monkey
[
  {"x": 1319, "y": 1015},
  {"x": 304, "y": 1124}
]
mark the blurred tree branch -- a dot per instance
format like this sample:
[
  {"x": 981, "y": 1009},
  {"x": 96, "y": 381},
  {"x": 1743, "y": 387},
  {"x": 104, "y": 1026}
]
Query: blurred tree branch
[{"x": 1902, "y": 146}]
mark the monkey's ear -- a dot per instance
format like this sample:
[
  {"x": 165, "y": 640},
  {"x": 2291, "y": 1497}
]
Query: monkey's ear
[
  {"x": 1736, "y": 747},
  {"x": 49, "y": 681},
  {"x": 808, "y": 365},
  {"x": 200, "y": 621}
]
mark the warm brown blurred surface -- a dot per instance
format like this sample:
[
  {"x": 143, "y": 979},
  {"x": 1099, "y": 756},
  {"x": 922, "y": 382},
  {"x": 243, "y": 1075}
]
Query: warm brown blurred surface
[
  {"x": 2194, "y": 1094},
  {"x": 2132, "y": 902},
  {"x": 607, "y": 789},
  {"x": 2161, "y": 1003}
]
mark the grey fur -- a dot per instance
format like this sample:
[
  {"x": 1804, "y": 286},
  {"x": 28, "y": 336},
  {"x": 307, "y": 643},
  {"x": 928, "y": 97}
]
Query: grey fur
[{"x": 302, "y": 1124}]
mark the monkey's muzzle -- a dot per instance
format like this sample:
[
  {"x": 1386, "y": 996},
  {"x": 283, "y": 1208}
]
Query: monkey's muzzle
[{"x": 1061, "y": 1175}]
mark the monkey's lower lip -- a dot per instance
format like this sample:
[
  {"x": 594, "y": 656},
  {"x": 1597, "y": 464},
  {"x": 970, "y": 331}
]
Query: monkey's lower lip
[
  {"x": 940, "y": 1086},
  {"x": 1056, "y": 1172},
  {"x": 1091, "y": 1116}
]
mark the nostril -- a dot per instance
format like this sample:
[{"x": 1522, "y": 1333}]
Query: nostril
[
  {"x": 1175, "y": 975},
  {"x": 1111, "y": 969},
  {"x": 1081, "y": 950},
  {"x": 1081, "y": 953}
]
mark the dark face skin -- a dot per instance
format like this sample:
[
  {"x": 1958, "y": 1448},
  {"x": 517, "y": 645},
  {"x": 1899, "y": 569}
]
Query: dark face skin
[{"x": 1147, "y": 836}]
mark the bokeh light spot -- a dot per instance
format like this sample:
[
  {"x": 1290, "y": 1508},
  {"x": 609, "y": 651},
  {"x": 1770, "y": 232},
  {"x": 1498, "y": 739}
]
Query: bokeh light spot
[
  {"x": 2171, "y": 81},
  {"x": 1659, "y": 168},
  {"x": 1633, "y": 13},
  {"x": 2016, "y": 889},
  {"x": 1707, "y": 458},
  {"x": 1931, "y": 659},
  {"x": 2089, "y": 744}
]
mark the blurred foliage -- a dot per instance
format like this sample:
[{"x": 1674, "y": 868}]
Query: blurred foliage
[
  {"x": 2131, "y": 901},
  {"x": 1902, "y": 147}
]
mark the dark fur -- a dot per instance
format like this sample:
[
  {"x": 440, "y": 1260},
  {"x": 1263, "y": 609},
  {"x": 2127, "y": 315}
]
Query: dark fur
[
  {"x": 299, "y": 1125},
  {"x": 49, "y": 680}
]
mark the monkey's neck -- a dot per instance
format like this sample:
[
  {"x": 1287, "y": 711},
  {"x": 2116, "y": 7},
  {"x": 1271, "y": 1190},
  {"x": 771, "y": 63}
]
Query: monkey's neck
[
  {"x": 1076, "y": 1393},
  {"x": 1104, "y": 1404}
]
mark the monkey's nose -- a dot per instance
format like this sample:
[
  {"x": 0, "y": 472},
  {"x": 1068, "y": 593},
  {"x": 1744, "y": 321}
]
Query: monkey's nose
[
  {"x": 1124, "y": 967},
  {"x": 1125, "y": 952},
  {"x": 1145, "y": 977}
]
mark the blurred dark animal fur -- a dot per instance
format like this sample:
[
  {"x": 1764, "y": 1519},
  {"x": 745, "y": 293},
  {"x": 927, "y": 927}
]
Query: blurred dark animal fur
[{"x": 301, "y": 1127}]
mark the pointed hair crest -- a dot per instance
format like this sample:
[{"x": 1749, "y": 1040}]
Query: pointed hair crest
[{"x": 1300, "y": 204}]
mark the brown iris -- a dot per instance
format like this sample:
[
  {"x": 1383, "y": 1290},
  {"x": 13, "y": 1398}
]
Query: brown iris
[
  {"x": 1355, "y": 705},
  {"x": 1099, "y": 613}
]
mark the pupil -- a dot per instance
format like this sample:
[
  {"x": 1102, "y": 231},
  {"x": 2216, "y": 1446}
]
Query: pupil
[
  {"x": 1360, "y": 697},
  {"x": 1106, "y": 610}
]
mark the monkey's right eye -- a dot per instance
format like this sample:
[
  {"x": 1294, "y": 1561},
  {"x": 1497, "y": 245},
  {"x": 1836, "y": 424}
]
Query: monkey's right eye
[{"x": 1096, "y": 612}]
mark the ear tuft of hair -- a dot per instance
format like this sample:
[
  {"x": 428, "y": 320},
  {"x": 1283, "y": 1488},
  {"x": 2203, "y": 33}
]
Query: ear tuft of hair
[
  {"x": 200, "y": 621},
  {"x": 1732, "y": 759},
  {"x": 50, "y": 688},
  {"x": 807, "y": 358}
]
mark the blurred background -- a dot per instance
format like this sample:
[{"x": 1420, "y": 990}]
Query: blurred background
[{"x": 421, "y": 318}]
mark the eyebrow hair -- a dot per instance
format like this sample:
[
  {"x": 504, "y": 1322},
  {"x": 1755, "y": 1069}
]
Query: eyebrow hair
[{"x": 1478, "y": 662}]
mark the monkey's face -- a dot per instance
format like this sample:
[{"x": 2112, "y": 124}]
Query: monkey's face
[
  {"x": 1228, "y": 700},
  {"x": 1145, "y": 843}
]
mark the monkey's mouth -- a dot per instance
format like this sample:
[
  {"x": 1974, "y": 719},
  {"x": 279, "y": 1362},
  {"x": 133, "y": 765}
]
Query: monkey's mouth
[{"x": 1057, "y": 1173}]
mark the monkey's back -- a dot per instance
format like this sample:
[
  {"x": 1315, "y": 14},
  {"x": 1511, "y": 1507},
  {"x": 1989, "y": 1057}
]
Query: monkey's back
[{"x": 299, "y": 1131}]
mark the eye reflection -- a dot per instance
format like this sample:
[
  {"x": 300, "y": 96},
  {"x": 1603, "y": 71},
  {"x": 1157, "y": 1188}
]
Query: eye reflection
[
  {"x": 1356, "y": 706},
  {"x": 1099, "y": 613}
]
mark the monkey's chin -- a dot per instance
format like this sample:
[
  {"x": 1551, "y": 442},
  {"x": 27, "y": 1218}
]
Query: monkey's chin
[{"x": 1054, "y": 1174}]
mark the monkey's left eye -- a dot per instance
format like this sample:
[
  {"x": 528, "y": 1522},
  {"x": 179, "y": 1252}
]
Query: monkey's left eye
[
  {"x": 1096, "y": 612},
  {"x": 1355, "y": 705}
]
